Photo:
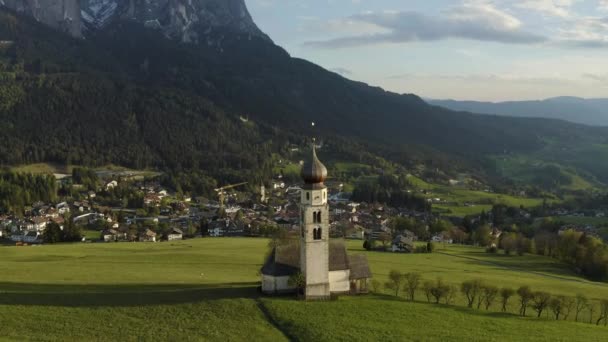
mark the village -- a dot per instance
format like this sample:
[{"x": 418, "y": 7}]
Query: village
[{"x": 148, "y": 212}]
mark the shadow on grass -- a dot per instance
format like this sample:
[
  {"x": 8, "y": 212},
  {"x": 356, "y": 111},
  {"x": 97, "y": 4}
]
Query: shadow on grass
[
  {"x": 121, "y": 295},
  {"x": 457, "y": 308}
]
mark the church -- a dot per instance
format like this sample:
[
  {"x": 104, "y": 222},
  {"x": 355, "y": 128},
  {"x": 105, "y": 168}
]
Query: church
[{"x": 325, "y": 265}]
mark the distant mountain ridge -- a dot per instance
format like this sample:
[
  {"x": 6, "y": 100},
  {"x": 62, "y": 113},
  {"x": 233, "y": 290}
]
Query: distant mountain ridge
[{"x": 593, "y": 112}]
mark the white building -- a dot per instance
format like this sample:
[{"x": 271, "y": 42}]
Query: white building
[{"x": 325, "y": 266}]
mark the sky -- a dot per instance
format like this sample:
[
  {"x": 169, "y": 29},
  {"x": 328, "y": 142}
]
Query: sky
[{"x": 486, "y": 50}]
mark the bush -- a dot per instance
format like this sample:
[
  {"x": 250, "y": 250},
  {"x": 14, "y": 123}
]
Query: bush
[{"x": 430, "y": 247}]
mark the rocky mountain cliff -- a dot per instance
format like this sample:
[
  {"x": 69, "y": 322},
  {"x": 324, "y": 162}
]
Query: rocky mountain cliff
[
  {"x": 60, "y": 14},
  {"x": 182, "y": 20}
]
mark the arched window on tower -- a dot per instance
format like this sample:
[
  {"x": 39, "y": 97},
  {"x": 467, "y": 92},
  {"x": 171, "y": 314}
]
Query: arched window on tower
[
  {"x": 318, "y": 234},
  {"x": 307, "y": 196},
  {"x": 318, "y": 217}
]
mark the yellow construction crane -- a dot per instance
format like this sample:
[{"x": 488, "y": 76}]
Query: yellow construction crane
[{"x": 221, "y": 192}]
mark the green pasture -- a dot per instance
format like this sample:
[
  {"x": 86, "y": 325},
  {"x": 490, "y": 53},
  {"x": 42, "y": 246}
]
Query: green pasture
[{"x": 205, "y": 289}]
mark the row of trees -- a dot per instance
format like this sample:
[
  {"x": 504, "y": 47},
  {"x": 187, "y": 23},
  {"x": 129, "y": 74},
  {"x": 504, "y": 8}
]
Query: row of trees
[{"x": 477, "y": 295}]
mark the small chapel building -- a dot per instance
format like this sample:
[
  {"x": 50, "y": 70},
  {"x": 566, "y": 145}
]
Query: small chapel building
[{"x": 326, "y": 265}]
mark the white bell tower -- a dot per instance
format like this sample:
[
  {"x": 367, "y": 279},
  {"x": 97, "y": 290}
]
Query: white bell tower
[{"x": 314, "y": 234}]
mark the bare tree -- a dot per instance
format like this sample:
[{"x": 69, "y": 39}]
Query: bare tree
[
  {"x": 525, "y": 296},
  {"x": 506, "y": 293},
  {"x": 591, "y": 308},
  {"x": 395, "y": 278},
  {"x": 471, "y": 289},
  {"x": 603, "y": 313},
  {"x": 581, "y": 304},
  {"x": 540, "y": 301},
  {"x": 427, "y": 287},
  {"x": 440, "y": 290},
  {"x": 557, "y": 306},
  {"x": 489, "y": 294},
  {"x": 567, "y": 306},
  {"x": 412, "y": 282},
  {"x": 451, "y": 295}
]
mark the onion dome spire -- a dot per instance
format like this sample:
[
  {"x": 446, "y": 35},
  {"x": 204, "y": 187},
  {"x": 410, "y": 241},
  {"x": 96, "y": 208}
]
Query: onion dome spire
[{"x": 313, "y": 171}]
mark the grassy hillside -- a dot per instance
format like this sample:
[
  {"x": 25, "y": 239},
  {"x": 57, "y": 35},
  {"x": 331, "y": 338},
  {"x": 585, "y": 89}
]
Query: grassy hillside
[{"x": 206, "y": 290}]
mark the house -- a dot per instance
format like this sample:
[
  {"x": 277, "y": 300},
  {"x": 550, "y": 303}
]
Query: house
[
  {"x": 175, "y": 234},
  {"x": 442, "y": 238},
  {"x": 113, "y": 235},
  {"x": 32, "y": 237},
  {"x": 37, "y": 223},
  {"x": 403, "y": 243},
  {"x": 111, "y": 185},
  {"x": 147, "y": 236}
]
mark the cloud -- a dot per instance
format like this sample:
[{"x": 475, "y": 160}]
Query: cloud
[
  {"x": 586, "y": 32},
  {"x": 602, "y": 5},
  {"x": 601, "y": 78},
  {"x": 557, "y": 8},
  {"x": 474, "y": 21}
]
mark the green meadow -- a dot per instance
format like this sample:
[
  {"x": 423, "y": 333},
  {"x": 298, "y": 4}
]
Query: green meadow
[{"x": 206, "y": 289}]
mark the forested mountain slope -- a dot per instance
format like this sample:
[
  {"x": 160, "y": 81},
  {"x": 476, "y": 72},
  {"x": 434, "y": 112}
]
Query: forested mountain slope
[{"x": 129, "y": 95}]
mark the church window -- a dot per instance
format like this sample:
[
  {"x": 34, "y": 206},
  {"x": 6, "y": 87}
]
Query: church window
[
  {"x": 316, "y": 217},
  {"x": 317, "y": 234},
  {"x": 308, "y": 196}
]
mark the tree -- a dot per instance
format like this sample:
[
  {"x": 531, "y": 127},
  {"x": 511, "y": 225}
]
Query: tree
[
  {"x": 581, "y": 304},
  {"x": 298, "y": 281},
  {"x": 567, "y": 305},
  {"x": 603, "y": 313},
  {"x": 412, "y": 282},
  {"x": 591, "y": 308},
  {"x": 384, "y": 238},
  {"x": 508, "y": 242},
  {"x": 506, "y": 293},
  {"x": 428, "y": 287},
  {"x": 395, "y": 279},
  {"x": 557, "y": 306},
  {"x": 489, "y": 294},
  {"x": 440, "y": 226},
  {"x": 52, "y": 233},
  {"x": 471, "y": 289},
  {"x": 451, "y": 294},
  {"x": 525, "y": 296},
  {"x": 482, "y": 236},
  {"x": 440, "y": 290},
  {"x": 540, "y": 301}
]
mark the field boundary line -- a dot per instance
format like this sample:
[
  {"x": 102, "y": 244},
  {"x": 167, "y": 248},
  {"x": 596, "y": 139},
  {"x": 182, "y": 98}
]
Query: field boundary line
[{"x": 273, "y": 321}]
